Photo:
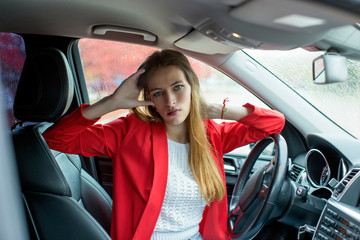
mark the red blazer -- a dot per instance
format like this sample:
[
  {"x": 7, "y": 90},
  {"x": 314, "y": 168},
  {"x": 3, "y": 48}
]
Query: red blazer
[{"x": 139, "y": 154}]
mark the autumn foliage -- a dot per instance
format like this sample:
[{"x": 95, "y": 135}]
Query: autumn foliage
[{"x": 12, "y": 57}]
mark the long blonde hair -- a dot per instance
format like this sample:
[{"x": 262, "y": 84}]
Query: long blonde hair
[{"x": 201, "y": 159}]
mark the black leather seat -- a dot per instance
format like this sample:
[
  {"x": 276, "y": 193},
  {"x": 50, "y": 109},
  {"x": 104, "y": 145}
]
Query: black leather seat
[{"x": 61, "y": 199}]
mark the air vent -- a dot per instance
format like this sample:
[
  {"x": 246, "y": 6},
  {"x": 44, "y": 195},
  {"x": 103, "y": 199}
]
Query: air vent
[
  {"x": 342, "y": 185},
  {"x": 295, "y": 172},
  {"x": 350, "y": 176}
]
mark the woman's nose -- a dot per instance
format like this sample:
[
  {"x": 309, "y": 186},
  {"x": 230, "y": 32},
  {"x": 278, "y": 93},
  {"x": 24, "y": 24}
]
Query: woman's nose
[{"x": 170, "y": 99}]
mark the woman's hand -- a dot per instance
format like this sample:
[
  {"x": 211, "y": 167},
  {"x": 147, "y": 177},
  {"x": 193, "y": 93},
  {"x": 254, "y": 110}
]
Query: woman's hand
[
  {"x": 127, "y": 94},
  {"x": 124, "y": 97}
]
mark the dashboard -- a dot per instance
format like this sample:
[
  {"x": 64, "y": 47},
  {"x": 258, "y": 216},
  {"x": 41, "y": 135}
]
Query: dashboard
[
  {"x": 329, "y": 175},
  {"x": 330, "y": 170}
]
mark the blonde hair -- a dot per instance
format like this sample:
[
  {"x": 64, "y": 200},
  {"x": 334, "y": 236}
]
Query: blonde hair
[{"x": 201, "y": 159}]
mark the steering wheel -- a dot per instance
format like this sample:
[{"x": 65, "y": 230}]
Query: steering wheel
[{"x": 254, "y": 197}]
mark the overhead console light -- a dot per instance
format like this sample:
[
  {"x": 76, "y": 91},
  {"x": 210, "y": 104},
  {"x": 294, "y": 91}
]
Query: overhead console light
[
  {"x": 197, "y": 42},
  {"x": 103, "y": 29},
  {"x": 236, "y": 35},
  {"x": 220, "y": 34}
]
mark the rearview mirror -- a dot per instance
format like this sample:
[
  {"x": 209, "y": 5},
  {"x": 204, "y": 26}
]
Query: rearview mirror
[{"x": 329, "y": 68}]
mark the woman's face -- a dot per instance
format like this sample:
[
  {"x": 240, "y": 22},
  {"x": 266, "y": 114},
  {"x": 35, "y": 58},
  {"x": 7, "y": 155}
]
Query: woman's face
[{"x": 171, "y": 94}]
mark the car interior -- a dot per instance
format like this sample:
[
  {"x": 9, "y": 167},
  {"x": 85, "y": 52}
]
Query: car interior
[{"x": 301, "y": 184}]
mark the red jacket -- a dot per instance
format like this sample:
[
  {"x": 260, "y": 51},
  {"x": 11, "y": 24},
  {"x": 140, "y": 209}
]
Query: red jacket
[{"x": 139, "y": 154}]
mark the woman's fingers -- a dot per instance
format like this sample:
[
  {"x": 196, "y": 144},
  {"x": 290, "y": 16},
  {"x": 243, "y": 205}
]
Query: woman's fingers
[
  {"x": 127, "y": 94},
  {"x": 130, "y": 83},
  {"x": 135, "y": 76},
  {"x": 145, "y": 103}
]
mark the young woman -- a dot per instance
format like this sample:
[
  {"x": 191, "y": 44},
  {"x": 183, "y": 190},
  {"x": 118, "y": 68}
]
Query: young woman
[{"x": 169, "y": 180}]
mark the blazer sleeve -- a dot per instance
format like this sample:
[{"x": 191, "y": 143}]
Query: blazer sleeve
[
  {"x": 76, "y": 134},
  {"x": 251, "y": 128}
]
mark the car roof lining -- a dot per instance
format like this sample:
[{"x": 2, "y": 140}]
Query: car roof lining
[{"x": 173, "y": 21}]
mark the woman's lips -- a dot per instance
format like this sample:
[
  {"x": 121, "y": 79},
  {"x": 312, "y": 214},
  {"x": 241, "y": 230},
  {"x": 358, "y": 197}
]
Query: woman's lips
[{"x": 173, "y": 112}]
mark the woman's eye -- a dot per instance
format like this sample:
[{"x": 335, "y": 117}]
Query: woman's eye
[
  {"x": 157, "y": 94},
  {"x": 178, "y": 87}
]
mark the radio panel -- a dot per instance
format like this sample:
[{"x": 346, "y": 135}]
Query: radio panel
[{"x": 338, "y": 221}]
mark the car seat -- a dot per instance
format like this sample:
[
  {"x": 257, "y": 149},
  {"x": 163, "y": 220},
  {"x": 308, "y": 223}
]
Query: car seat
[{"x": 62, "y": 201}]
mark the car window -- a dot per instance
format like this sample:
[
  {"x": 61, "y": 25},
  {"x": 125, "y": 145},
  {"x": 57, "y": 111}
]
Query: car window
[
  {"x": 12, "y": 58},
  {"x": 106, "y": 64},
  {"x": 340, "y": 102}
]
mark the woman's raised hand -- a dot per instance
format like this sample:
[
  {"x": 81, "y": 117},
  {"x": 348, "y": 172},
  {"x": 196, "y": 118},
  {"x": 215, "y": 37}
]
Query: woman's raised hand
[
  {"x": 127, "y": 94},
  {"x": 124, "y": 97}
]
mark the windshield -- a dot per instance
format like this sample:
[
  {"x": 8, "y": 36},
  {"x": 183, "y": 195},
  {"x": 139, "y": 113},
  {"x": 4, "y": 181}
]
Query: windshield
[{"x": 340, "y": 102}]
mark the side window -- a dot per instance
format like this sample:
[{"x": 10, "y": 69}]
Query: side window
[
  {"x": 12, "y": 57},
  {"x": 107, "y": 63}
]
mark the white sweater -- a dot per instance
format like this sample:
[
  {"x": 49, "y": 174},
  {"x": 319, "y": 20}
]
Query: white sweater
[{"x": 183, "y": 207}]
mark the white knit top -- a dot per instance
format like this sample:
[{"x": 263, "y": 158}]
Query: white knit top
[{"x": 183, "y": 207}]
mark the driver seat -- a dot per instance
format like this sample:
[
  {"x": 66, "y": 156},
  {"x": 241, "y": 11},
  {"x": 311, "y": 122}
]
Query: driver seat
[{"x": 62, "y": 201}]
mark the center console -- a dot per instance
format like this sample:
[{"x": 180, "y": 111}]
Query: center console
[{"x": 340, "y": 219}]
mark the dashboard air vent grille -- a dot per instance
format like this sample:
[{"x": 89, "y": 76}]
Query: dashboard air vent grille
[
  {"x": 350, "y": 176},
  {"x": 295, "y": 172},
  {"x": 341, "y": 186}
]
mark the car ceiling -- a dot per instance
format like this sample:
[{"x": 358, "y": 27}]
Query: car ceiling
[{"x": 204, "y": 26}]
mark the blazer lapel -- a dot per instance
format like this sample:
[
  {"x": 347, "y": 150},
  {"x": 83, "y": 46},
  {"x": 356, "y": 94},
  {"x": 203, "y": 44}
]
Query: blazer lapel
[{"x": 153, "y": 207}]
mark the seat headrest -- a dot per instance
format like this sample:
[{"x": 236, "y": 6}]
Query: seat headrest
[{"x": 46, "y": 87}]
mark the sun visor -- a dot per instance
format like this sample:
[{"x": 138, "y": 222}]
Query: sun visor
[
  {"x": 295, "y": 16},
  {"x": 198, "y": 42}
]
